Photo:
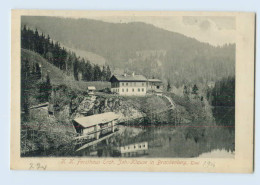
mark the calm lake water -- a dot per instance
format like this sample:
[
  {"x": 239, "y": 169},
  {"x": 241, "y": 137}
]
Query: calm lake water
[{"x": 156, "y": 142}]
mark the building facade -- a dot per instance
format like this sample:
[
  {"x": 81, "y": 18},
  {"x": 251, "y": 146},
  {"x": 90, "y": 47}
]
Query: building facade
[
  {"x": 153, "y": 84},
  {"x": 129, "y": 85},
  {"x": 91, "y": 90},
  {"x": 93, "y": 127}
]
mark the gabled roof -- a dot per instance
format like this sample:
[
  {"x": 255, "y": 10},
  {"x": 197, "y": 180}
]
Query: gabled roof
[
  {"x": 89, "y": 121},
  {"x": 129, "y": 78},
  {"x": 154, "y": 80}
]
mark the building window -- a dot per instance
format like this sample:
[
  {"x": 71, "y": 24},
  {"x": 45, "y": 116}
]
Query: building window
[
  {"x": 140, "y": 146},
  {"x": 126, "y": 84},
  {"x": 142, "y": 89},
  {"x": 126, "y": 89},
  {"x": 142, "y": 84},
  {"x": 122, "y": 90},
  {"x": 133, "y": 90},
  {"x": 138, "y": 89}
]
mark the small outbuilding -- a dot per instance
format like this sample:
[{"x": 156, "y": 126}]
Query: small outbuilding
[
  {"x": 97, "y": 125},
  {"x": 91, "y": 90},
  {"x": 154, "y": 84},
  {"x": 158, "y": 92}
]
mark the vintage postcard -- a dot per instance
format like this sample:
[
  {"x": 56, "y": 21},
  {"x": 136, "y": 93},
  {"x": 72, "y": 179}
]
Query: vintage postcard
[{"x": 132, "y": 91}]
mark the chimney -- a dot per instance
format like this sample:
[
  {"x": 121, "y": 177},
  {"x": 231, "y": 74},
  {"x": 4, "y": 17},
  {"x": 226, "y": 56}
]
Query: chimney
[{"x": 133, "y": 74}]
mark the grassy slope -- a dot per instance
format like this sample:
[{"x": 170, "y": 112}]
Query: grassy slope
[
  {"x": 92, "y": 57},
  {"x": 59, "y": 77}
]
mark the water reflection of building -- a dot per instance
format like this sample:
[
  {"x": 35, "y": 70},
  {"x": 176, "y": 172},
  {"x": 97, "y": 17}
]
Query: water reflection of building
[{"x": 135, "y": 149}]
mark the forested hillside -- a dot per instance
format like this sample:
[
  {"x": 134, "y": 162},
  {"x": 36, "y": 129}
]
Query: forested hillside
[
  {"x": 40, "y": 77},
  {"x": 142, "y": 48},
  {"x": 222, "y": 99},
  {"x": 66, "y": 61}
]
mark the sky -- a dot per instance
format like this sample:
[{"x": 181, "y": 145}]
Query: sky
[{"x": 214, "y": 30}]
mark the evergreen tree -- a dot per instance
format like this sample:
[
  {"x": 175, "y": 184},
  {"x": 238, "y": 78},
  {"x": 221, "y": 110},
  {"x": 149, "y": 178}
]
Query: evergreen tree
[
  {"x": 195, "y": 89},
  {"x": 97, "y": 73},
  {"x": 49, "y": 57},
  {"x": 108, "y": 74},
  {"x": 41, "y": 44},
  {"x": 25, "y": 69},
  {"x": 76, "y": 69},
  {"x": 186, "y": 90},
  {"x": 36, "y": 41},
  {"x": 69, "y": 64},
  {"x": 44, "y": 90},
  {"x": 48, "y": 80},
  {"x": 24, "y": 38},
  {"x": 38, "y": 71},
  {"x": 169, "y": 86},
  {"x": 104, "y": 73},
  {"x": 63, "y": 56},
  {"x": 89, "y": 72}
]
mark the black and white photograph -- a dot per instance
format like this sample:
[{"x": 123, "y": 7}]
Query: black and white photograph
[{"x": 128, "y": 86}]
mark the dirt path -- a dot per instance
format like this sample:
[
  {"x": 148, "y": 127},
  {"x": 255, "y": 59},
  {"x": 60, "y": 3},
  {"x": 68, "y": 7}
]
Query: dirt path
[{"x": 170, "y": 100}]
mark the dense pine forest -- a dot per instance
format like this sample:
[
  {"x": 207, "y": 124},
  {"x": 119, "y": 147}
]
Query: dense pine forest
[
  {"x": 222, "y": 99},
  {"x": 65, "y": 60}
]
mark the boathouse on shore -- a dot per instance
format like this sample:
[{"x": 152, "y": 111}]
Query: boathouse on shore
[{"x": 96, "y": 126}]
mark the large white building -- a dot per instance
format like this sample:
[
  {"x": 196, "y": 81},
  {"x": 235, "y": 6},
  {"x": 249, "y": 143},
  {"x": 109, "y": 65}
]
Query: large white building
[{"x": 129, "y": 85}]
